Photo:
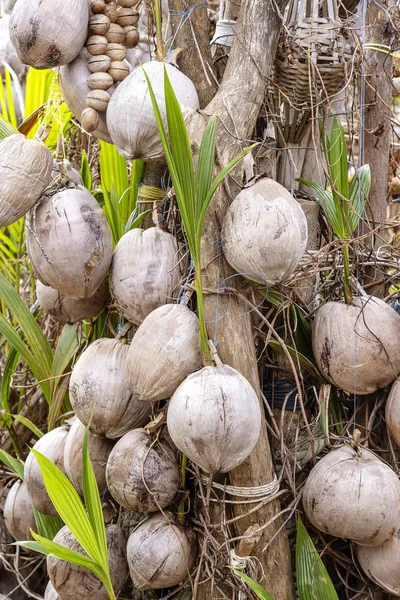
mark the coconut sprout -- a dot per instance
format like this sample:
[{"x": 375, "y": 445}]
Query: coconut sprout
[
  {"x": 142, "y": 473},
  {"x": 352, "y": 494},
  {"x": 25, "y": 172},
  {"x": 168, "y": 338},
  {"x": 51, "y": 445},
  {"x": 68, "y": 579},
  {"x": 71, "y": 310},
  {"x": 160, "y": 553},
  {"x": 69, "y": 243},
  {"x": 18, "y": 512},
  {"x": 145, "y": 271},
  {"x": 98, "y": 386},
  {"x": 214, "y": 418}
]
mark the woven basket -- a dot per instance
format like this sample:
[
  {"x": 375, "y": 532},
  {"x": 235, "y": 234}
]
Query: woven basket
[{"x": 312, "y": 55}]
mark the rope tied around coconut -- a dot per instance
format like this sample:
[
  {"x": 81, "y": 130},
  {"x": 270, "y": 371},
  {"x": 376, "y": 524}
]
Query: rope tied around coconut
[{"x": 253, "y": 495}]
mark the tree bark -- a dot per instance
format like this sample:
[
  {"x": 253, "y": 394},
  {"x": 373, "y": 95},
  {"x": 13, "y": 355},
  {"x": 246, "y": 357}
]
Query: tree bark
[{"x": 237, "y": 105}]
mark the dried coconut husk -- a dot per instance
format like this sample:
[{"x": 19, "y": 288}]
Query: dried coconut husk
[
  {"x": 382, "y": 564},
  {"x": 51, "y": 445},
  {"x": 356, "y": 345},
  {"x": 7, "y": 51},
  {"x": 18, "y": 512},
  {"x": 74, "y": 88},
  {"x": 72, "y": 582},
  {"x": 25, "y": 172},
  {"x": 351, "y": 493},
  {"x": 69, "y": 242},
  {"x": 50, "y": 593},
  {"x": 137, "y": 136},
  {"x": 392, "y": 415},
  {"x": 160, "y": 553},
  {"x": 214, "y": 418},
  {"x": 264, "y": 234},
  {"x": 49, "y": 34},
  {"x": 98, "y": 381},
  {"x": 142, "y": 473},
  {"x": 71, "y": 310},
  {"x": 99, "y": 450},
  {"x": 145, "y": 270},
  {"x": 168, "y": 339}
]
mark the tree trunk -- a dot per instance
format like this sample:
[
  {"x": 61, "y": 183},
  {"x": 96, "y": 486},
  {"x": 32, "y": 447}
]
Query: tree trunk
[{"x": 237, "y": 105}]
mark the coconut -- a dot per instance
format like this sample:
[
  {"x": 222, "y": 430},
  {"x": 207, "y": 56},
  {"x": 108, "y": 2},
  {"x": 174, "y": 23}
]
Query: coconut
[
  {"x": 382, "y": 563},
  {"x": 18, "y": 512},
  {"x": 356, "y": 345},
  {"x": 69, "y": 243},
  {"x": 71, "y": 310},
  {"x": 51, "y": 445},
  {"x": 160, "y": 553},
  {"x": 142, "y": 473},
  {"x": 74, "y": 88},
  {"x": 7, "y": 51},
  {"x": 264, "y": 234},
  {"x": 168, "y": 339},
  {"x": 145, "y": 271},
  {"x": 97, "y": 382},
  {"x": 50, "y": 593},
  {"x": 99, "y": 450},
  {"x": 72, "y": 175},
  {"x": 48, "y": 34},
  {"x": 25, "y": 172},
  {"x": 353, "y": 494},
  {"x": 214, "y": 418},
  {"x": 138, "y": 137},
  {"x": 71, "y": 581},
  {"x": 392, "y": 412}
]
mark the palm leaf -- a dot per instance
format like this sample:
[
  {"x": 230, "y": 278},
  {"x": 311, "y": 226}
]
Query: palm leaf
[
  {"x": 16, "y": 466},
  {"x": 358, "y": 193},
  {"x": 46, "y": 525},
  {"x": 254, "y": 586},
  {"x": 9, "y": 369},
  {"x": 29, "y": 425},
  {"x": 5, "y": 129}
]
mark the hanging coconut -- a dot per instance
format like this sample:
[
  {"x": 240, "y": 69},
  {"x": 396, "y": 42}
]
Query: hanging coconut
[
  {"x": 69, "y": 243},
  {"x": 160, "y": 553},
  {"x": 99, "y": 449},
  {"x": 145, "y": 271},
  {"x": 25, "y": 172},
  {"x": 50, "y": 593},
  {"x": 168, "y": 339},
  {"x": 98, "y": 382},
  {"x": 264, "y": 234},
  {"x": 138, "y": 137},
  {"x": 142, "y": 473},
  {"x": 74, "y": 88},
  {"x": 353, "y": 494},
  {"x": 18, "y": 512},
  {"x": 214, "y": 418},
  {"x": 49, "y": 34},
  {"x": 71, "y": 310},
  {"x": 51, "y": 445},
  {"x": 393, "y": 412},
  {"x": 71, "y": 581},
  {"x": 382, "y": 564},
  {"x": 356, "y": 345}
]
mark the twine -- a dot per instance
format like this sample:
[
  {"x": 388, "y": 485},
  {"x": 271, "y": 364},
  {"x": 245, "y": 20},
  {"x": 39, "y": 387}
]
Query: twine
[
  {"x": 224, "y": 32},
  {"x": 253, "y": 494},
  {"x": 151, "y": 192}
]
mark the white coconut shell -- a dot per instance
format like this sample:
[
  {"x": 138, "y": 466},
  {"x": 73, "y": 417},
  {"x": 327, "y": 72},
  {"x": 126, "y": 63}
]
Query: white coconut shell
[
  {"x": 356, "y": 345},
  {"x": 145, "y": 271},
  {"x": 74, "y": 88},
  {"x": 72, "y": 582},
  {"x": 18, "y": 512},
  {"x": 382, "y": 564},
  {"x": 49, "y": 33},
  {"x": 142, "y": 473},
  {"x": 160, "y": 553},
  {"x": 214, "y": 418},
  {"x": 98, "y": 381},
  {"x": 168, "y": 339},
  {"x": 264, "y": 234},
  {"x": 393, "y": 412},
  {"x": 50, "y": 593},
  {"x": 7, "y": 50},
  {"x": 25, "y": 172},
  {"x": 71, "y": 310},
  {"x": 99, "y": 450},
  {"x": 137, "y": 136},
  {"x": 71, "y": 250},
  {"x": 353, "y": 495},
  {"x": 51, "y": 445}
]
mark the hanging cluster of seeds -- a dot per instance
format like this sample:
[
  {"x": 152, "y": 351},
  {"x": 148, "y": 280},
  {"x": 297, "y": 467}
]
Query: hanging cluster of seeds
[{"x": 112, "y": 31}]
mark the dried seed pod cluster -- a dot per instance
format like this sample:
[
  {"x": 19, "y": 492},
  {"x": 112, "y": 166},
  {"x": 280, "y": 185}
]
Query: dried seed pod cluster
[{"x": 111, "y": 32}]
